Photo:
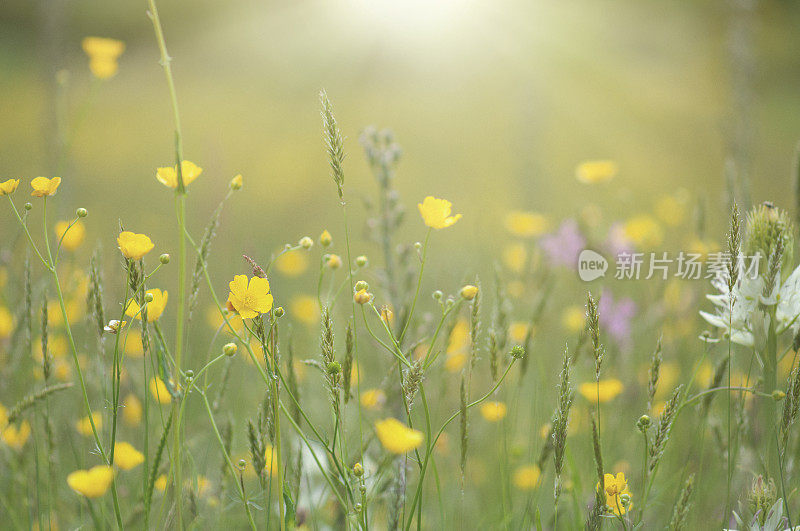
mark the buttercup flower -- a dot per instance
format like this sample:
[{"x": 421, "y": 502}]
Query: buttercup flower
[
  {"x": 91, "y": 483},
  {"x": 126, "y": 456},
  {"x": 168, "y": 176},
  {"x": 8, "y": 187},
  {"x": 72, "y": 238},
  {"x": 103, "y": 54},
  {"x": 525, "y": 224},
  {"x": 493, "y": 411},
  {"x": 373, "y": 398},
  {"x": 606, "y": 389},
  {"x": 249, "y": 300},
  {"x": 84, "y": 427},
  {"x": 16, "y": 437},
  {"x": 436, "y": 213},
  {"x": 154, "y": 308},
  {"x": 159, "y": 391},
  {"x": 43, "y": 187},
  {"x": 615, "y": 487},
  {"x": 134, "y": 246},
  {"x": 396, "y": 437},
  {"x": 596, "y": 171},
  {"x": 132, "y": 412},
  {"x": 526, "y": 477}
]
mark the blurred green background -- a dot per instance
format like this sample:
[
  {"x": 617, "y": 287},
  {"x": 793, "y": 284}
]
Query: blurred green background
[{"x": 494, "y": 103}]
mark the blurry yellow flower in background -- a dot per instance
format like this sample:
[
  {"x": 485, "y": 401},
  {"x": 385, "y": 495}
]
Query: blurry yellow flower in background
[
  {"x": 84, "y": 427},
  {"x": 237, "y": 182},
  {"x": 615, "y": 487},
  {"x": 91, "y": 483},
  {"x": 159, "y": 391},
  {"x": 168, "y": 176},
  {"x": 574, "y": 318},
  {"x": 215, "y": 320},
  {"x": 526, "y": 477},
  {"x": 133, "y": 343},
  {"x": 16, "y": 436},
  {"x": 334, "y": 261},
  {"x": 525, "y": 224},
  {"x": 292, "y": 263},
  {"x": 459, "y": 336},
  {"x": 132, "y": 410},
  {"x": 73, "y": 237},
  {"x": 455, "y": 361},
  {"x": 154, "y": 308},
  {"x": 134, "y": 246},
  {"x": 249, "y": 300},
  {"x": 671, "y": 210},
  {"x": 494, "y": 411},
  {"x": 514, "y": 257},
  {"x": 8, "y": 187},
  {"x": 436, "y": 213},
  {"x": 373, "y": 399},
  {"x": 126, "y": 456},
  {"x": 161, "y": 483},
  {"x": 608, "y": 390},
  {"x": 396, "y": 437},
  {"x": 43, "y": 187},
  {"x": 6, "y": 323},
  {"x": 644, "y": 231},
  {"x": 103, "y": 54},
  {"x": 325, "y": 239},
  {"x": 518, "y": 331},
  {"x": 701, "y": 247},
  {"x": 305, "y": 309},
  {"x": 596, "y": 171}
]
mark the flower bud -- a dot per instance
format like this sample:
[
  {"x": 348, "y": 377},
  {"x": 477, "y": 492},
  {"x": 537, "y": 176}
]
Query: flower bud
[
  {"x": 236, "y": 182},
  {"x": 230, "y": 349},
  {"x": 469, "y": 292},
  {"x": 417, "y": 246},
  {"x": 357, "y": 507},
  {"x": 325, "y": 239},
  {"x": 517, "y": 352},
  {"x": 333, "y": 367},
  {"x": 148, "y": 297},
  {"x": 189, "y": 375},
  {"x": 242, "y": 464},
  {"x": 362, "y": 297},
  {"x": 279, "y": 312},
  {"x": 778, "y": 395},
  {"x": 386, "y": 314},
  {"x": 334, "y": 261},
  {"x": 361, "y": 284},
  {"x": 358, "y": 470},
  {"x": 81, "y": 212},
  {"x": 361, "y": 261},
  {"x": 643, "y": 423},
  {"x": 28, "y": 206},
  {"x": 306, "y": 242},
  {"x": 164, "y": 258},
  {"x": 437, "y": 295}
]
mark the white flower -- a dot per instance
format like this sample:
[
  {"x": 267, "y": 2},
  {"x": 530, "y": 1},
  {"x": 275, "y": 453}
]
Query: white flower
[{"x": 748, "y": 321}]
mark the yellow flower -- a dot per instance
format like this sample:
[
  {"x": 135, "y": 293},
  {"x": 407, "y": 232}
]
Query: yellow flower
[
  {"x": 334, "y": 261},
  {"x": 373, "y": 398},
  {"x": 292, "y": 263},
  {"x": 16, "y": 437},
  {"x": 168, "y": 176},
  {"x": 6, "y": 323},
  {"x": 615, "y": 487},
  {"x": 84, "y": 427},
  {"x": 644, "y": 231},
  {"x": 237, "y": 182},
  {"x": 8, "y": 187},
  {"x": 436, "y": 213},
  {"x": 154, "y": 308},
  {"x": 91, "y": 483},
  {"x": 494, "y": 411},
  {"x": 133, "y": 344},
  {"x": 396, "y": 437},
  {"x": 126, "y": 456},
  {"x": 132, "y": 410},
  {"x": 526, "y": 477},
  {"x": 325, "y": 239},
  {"x": 73, "y": 237},
  {"x": 42, "y": 186},
  {"x": 134, "y": 246},
  {"x": 103, "y": 54},
  {"x": 159, "y": 391},
  {"x": 596, "y": 171},
  {"x": 574, "y": 318},
  {"x": 518, "y": 331},
  {"x": 249, "y": 300},
  {"x": 608, "y": 390},
  {"x": 459, "y": 336},
  {"x": 161, "y": 483},
  {"x": 455, "y": 361},
  {"x": 670, "y": 210},
  {"x": 515, "y": 256},
  {"x": 525, "y": 224}
]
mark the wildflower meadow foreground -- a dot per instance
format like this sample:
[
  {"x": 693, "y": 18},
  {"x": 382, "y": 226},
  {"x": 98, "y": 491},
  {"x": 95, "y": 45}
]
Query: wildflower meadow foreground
[{"x": 593, "y": 377}]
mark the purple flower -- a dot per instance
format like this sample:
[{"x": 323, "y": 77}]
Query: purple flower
[
  {"x": 617, "y": 242},
  {"x": 615, "y": 318},
  {"x": 563, "y": 247}
]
